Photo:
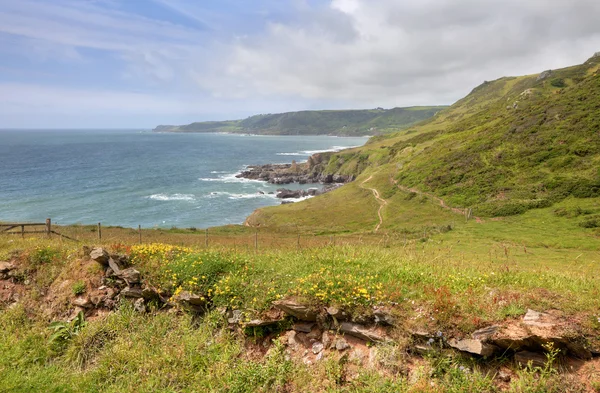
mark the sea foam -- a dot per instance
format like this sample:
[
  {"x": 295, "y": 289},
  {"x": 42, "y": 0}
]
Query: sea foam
[{"x": 172, "y": 197}]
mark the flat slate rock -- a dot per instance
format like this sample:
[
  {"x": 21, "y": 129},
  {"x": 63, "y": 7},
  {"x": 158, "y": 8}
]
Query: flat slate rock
[
  {"x": 362, "y": 332},
  {"x": 295, "y": 309},
  {"x": 476, "y": 347}
]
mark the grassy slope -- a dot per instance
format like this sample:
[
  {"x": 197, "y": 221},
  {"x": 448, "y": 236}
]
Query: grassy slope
[
  {"x": 436, "y": 285},
  {"x": 511, "y": 145},
  {"x": 338, "y": 122}
]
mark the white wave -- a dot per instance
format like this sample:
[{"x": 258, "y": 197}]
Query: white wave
[
  {"x": 172, "y": 197},
  {"x": 298, "y": 199},
  {"x": 231, "y": 195},
  {"x": 311, "y": 152},
  {"x": 215, "y": 172},
  {"x": 229, "y": 178}
]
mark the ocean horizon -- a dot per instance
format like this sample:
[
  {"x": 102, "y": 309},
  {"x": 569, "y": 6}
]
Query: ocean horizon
[{"x": 131, "y": 177}]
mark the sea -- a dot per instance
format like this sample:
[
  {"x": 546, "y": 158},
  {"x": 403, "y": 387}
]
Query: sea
[{"x": 139, "y": 177}]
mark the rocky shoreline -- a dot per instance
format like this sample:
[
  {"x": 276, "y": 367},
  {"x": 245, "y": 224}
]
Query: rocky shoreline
[
  {"x": 291, "y": 173},
  {"x": 310, "y": 172}
]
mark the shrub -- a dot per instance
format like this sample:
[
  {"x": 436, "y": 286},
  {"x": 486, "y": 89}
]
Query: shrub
[
  {"x": 410, "y": 196},
  {"x": 43, "y": 255},
  {"x": 510, "y": 208},
  {"x": 78, "y": 288},
  {"x": 592, "y": 222},
  {"x": 558, "y": 82}
]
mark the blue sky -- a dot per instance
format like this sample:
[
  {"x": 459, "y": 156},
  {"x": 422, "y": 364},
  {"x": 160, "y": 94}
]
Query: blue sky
[{"x": 139, "y": 63}]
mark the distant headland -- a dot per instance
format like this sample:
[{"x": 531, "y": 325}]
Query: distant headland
[{"x": 326, "y": 122}]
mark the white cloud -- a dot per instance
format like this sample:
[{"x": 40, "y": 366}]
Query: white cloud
[
  {"x": 345, "y": 53},
  {"x": 403, "y": 53}
]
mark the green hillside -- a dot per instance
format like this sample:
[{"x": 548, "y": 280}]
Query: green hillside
[
  {"x": 511, "y": 145},
  {"x": 335, "y": 122}
]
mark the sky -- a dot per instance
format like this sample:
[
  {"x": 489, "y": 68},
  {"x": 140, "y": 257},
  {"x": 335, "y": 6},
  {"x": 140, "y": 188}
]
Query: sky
[{"x": 140, "y": 63}]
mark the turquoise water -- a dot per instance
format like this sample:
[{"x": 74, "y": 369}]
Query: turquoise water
[{"x": 130, "y": 178}]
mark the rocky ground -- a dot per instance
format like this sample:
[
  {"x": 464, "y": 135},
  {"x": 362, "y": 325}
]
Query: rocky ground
[{"x": 311, "y": 334}]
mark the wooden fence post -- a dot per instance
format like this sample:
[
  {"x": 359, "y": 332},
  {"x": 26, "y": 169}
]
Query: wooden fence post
[
  {"x": 256, "y": 240},
  {"x": 22, "y": 231},
  {"x": 140, "y": 233},
  {"x": 48, "y": 227},
  {"x": 99, "y": 232},
  {"x": 206, "y": 238},
  {"x": 298, "y": 242}
]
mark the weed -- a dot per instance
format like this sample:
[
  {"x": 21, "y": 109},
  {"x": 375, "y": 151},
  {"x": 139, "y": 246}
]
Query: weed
[
  {"x": 63, "y": 332},
  {"x": 43, "y": 255},
  {"x": 78, "y": 288}
]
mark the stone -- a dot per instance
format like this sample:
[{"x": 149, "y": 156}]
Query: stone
[
  {"x": 336, "y": 313},
  {"x": 130, "y": 275},
  {"x": 326, "y": 339},
  {"x": 383, "y": 316},
  {"x": 537, "y": 329},
  {"x": 133, "y": 292},
  {"x": 503, "y": 375},
  {"x": 99, "y": 255},
  {"x": 111, "y": 293},
  {"x": 261, "y": 322},
  {"x": 97, "y": 298},
  {"x": 235, "y": 317},
  {"x": 284, "y": 193},
  {"x": 114, "y": 266},
  {"x": 544, "y": 75},
  {"x": 6, "y": 267},
  {"x": 317, "y": 347},
  {"x": 422, "y": 349},
  {"x": 526, "y": 357},
  {"x": 476, "y": 347},
  {"x": 485, "y": 333},
  {"x": 478, "y": 343},
  {"x": 422, "y": 335},
  {"x": 292, "y": 339},
  {"x": 304, "y": 327},
  {"x": 361, "y": 332},
  {"x": 341, "y": 344},
  {"x": 150, "y": 294},
  {"x": 579, "y": 350},
  {"x": 191, "y": 301},
  {"x": 139, "y": 305},
  {"x": 539, "y": 319},
  {"x": 83, "y": 302},
  {"x": 295, "y": 309},
  {"x": 314, "y": 334}
]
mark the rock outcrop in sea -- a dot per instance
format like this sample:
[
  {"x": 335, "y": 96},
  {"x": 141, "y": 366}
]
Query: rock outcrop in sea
[{"x": 312, "y": 171}]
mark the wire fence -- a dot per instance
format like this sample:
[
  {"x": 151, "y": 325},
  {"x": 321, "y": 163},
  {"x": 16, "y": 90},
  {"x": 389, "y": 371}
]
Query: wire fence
[{"x": 243, "y": 238}]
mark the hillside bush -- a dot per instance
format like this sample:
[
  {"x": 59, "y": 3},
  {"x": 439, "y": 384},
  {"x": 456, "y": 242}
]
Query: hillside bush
[
  {"x": 510, "y": 208},
  {"x": 558, "y": 82}
]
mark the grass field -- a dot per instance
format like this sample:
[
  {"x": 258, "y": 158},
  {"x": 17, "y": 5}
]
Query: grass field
[{"x": 454, "y": 281}]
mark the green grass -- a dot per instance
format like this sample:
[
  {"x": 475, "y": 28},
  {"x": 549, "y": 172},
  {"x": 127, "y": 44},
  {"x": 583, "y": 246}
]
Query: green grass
[{"x": 437, "y": 285}]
